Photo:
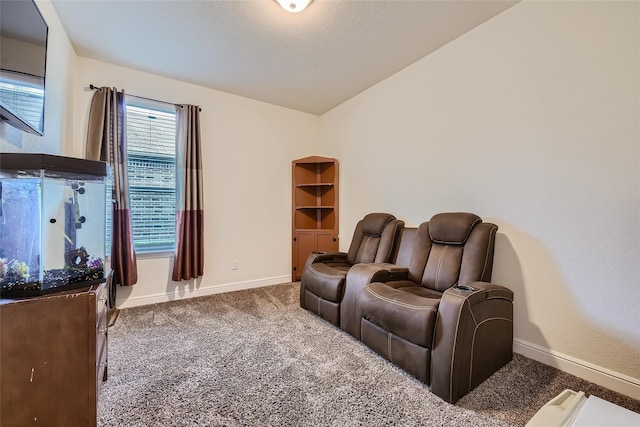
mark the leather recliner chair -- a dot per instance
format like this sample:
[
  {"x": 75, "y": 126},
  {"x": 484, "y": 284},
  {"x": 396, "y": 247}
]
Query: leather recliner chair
[
  {"x": 438, "y": 317},
  {"x": 323, "y": 279}
]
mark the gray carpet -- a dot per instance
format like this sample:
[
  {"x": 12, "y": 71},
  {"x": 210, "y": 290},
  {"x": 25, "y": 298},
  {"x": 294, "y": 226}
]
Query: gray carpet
[{"x": 255, "y": 358}]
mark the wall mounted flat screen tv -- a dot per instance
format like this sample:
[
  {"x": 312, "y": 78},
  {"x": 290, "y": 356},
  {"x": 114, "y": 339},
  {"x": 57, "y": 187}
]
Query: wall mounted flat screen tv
[{"x": 23, "y": 58}]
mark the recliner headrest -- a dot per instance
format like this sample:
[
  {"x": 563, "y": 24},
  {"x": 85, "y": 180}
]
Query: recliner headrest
[
  {"x": 452, "y": 228},
  {"x": 374, "y": 223}
]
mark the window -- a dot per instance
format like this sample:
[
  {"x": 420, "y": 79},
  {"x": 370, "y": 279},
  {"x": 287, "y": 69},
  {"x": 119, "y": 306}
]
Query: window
[{"x": 151, "y": 136}]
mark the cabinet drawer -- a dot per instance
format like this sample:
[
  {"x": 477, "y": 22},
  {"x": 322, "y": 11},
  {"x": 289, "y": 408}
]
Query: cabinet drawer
[
  {"x": 102, "y": 304},
  {"x": 101, "y": 366},
  {"x": 101, "y": 334},
  {"x": 102, "y": 309}
]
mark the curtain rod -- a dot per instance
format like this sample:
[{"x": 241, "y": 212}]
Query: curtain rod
[{"x": 94, "y": 87}]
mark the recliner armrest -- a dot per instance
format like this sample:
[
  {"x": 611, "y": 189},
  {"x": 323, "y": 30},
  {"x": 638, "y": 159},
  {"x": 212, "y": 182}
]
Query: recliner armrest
[
  {"x": 358, "y": 277},
  {"x": 477, "y": 292},
  {"x": 316, "y": 257},
  {"x": 473, "y": 338},
  {"x": 324, "y": 256}
]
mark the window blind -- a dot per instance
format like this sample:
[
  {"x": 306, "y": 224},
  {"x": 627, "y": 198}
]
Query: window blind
[{"x": 151, "y": 135}]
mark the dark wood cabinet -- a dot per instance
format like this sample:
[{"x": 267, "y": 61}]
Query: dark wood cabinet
[
  {"x": 315, "y": 209},
  {"x": 53, "y": 358}
]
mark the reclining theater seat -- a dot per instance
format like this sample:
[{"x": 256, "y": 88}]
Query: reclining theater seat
[
  {"x": 440, "y": 319},
  {"x": 323, "y": 279}
]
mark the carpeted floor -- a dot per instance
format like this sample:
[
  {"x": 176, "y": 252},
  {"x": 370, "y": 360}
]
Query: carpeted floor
[{"x": 255, "y": 358}]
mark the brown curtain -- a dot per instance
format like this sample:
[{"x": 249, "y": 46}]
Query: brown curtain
[
  {"x": 106, "y": 141},
  {"x": 189, "y": 254}
]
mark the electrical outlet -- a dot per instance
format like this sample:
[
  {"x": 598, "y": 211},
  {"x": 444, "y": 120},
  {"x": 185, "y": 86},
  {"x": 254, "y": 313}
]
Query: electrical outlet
[{"x": 234, "y": 264}]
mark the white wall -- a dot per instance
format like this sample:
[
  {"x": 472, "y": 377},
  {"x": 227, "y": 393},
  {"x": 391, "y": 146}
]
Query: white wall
[
  {"x": 248, "y": 147},
  {"x": 59, "y": 109},
  {"x": 531, "y": 121}
]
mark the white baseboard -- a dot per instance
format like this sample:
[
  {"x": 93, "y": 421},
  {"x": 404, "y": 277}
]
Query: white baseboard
[
  {"x": 596, "y": 374},
  {"x": 200, "y": 292}
]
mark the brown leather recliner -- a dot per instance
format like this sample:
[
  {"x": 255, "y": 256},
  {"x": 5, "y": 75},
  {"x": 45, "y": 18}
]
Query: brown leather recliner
[
  {"x": 438, "y": 317},
  {"x": 323, "y": 279}
]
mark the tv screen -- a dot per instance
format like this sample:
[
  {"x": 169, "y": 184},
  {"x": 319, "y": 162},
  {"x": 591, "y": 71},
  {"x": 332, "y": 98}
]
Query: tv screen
[{"x": 23, "y": 53}]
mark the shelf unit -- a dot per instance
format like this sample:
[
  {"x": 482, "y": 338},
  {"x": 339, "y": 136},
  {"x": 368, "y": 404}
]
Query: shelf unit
[{"x": 315, "y": 209}]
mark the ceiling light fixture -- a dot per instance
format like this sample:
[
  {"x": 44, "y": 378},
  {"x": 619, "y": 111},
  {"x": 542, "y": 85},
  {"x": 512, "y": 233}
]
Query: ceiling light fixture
[{"x": 294, "y": 6}]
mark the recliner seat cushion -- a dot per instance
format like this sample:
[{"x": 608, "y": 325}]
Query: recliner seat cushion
[
  {"x": 421, "y": 292},
  {"x": 395, "y": 284},
  {"x": 408, "y": 316}
]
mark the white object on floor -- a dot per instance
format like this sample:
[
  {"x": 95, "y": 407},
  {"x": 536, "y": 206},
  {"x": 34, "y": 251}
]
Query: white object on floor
[{"x": 571, "y": 408}]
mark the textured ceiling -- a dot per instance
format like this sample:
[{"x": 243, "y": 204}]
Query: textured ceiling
[{"x": 310, "y": 61}]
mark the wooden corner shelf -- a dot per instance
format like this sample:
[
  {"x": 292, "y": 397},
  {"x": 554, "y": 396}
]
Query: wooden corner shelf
[{"x": 314, "y": 209}]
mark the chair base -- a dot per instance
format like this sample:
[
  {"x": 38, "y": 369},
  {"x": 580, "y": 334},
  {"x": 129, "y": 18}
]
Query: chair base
[
  {"x": 413, "y": 358},
  {"x": 329, "y": 311}
]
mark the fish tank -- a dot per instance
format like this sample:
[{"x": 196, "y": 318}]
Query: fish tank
[{"x": 52, "y": 223}]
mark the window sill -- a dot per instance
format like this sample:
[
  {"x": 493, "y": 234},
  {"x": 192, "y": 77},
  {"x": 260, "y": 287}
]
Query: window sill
[{"x": 147, "y": 255}]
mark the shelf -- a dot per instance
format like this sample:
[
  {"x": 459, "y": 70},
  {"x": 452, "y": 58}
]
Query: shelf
[
  {"x": 314, "y": 207},
  {"x": 317, "y": 184},
  {"x": 313, "y": 162}
]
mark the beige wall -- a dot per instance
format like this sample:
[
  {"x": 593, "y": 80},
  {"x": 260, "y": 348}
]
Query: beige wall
[
  {"x": 248, "y": 147},
  {"x": 531, "y": 121}
]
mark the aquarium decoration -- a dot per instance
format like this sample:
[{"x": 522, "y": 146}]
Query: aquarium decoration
[
  {"x": 52, "y": 223},
  {"x": 4, "y": 267}
]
